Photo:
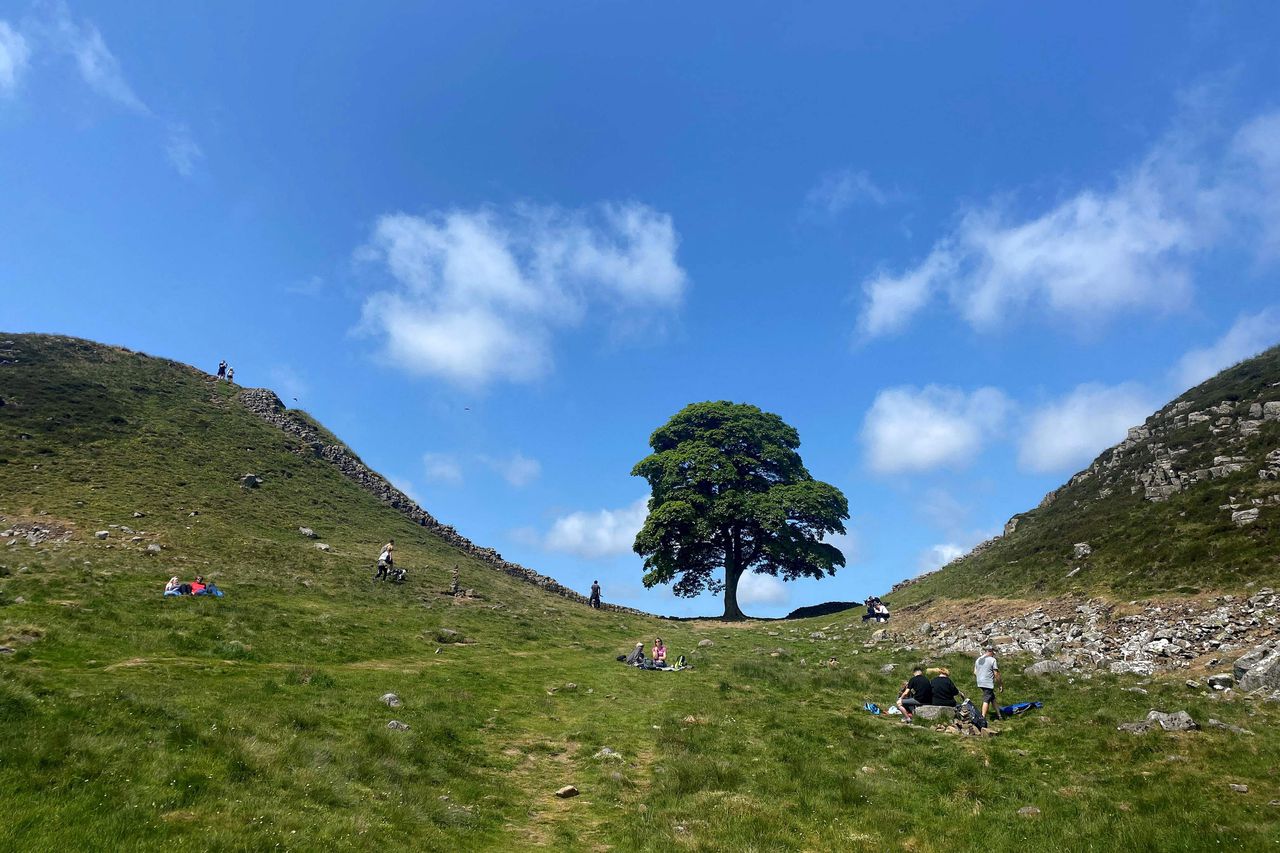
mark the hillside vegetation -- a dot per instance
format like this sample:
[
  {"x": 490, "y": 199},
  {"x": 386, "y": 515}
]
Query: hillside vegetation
[
  {"x": 1189, "y": 502},
  {"x": 129, "y": 721}
]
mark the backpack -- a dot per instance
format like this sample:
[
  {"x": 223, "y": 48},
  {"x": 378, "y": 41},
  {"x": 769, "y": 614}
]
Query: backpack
[
  {"x": 967, "y": 710},
  {"x": 872, "y": 707},
  {"x": 682, "y": 662}
]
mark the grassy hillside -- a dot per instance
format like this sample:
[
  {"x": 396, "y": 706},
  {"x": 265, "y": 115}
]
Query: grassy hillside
[
  {"x": 252, "y": 722},
  {"x": 1156, "y": 510}
]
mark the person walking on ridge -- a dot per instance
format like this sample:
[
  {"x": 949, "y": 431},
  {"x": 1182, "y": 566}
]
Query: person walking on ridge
[
  {"x": 595, "y": 595},
  {"x": 222, "y": 369},
  {"x": 986, "y": 671}
]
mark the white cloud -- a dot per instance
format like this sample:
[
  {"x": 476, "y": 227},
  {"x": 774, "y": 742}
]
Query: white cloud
[
  {"x": 517, "y": 469},
  {"x": 1068, "y": 433},
  {"x": 183, "y": 152},
  {"x": 479, "y": 294},
  {"x": 1101, "y": 252},
  {"x": 442, "y": 468},
  {"x": 97, "y": 64},
  {"x": 1248, "y": 336},
  {"x": 602, "y": 533},
  {"x": 910, "y": 429},
  {"x": 937, "y": 556},
  {"x": 14, "y": 56},
  {"x": 838, "y": 191},
  {"x": 754, "y": 588}
]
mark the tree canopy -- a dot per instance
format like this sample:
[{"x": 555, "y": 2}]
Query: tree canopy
[{"x": 729, "y": 491}]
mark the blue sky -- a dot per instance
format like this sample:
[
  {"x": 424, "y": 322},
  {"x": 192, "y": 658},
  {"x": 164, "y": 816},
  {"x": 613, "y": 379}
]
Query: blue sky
[{"x": 495, "y": 245}]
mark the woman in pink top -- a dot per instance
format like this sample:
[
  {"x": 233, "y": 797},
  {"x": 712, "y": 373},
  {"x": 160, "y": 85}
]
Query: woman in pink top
[{"x": 659, "y": 651}]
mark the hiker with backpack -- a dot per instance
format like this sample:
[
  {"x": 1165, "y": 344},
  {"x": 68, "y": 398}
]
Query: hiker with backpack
[
  {"x": 986, "y": 672},
  {"x": 915, "y": 692}
]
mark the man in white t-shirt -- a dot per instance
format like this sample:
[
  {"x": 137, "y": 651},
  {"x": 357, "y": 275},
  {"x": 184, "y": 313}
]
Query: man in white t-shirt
[{"x": 986, "y": 671}]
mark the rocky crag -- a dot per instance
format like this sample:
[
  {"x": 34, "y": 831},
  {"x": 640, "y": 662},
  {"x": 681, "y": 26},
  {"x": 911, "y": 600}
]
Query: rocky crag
[
  {"x": 266, "y": 405},
  {"x": 1190, "y": 498}
]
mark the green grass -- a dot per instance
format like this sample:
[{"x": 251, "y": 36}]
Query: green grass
[{"x": 133, "y": 722}]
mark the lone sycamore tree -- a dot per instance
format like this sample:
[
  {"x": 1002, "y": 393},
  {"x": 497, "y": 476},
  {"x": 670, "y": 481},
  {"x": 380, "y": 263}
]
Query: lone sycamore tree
[{"x": 729, "y": 491}]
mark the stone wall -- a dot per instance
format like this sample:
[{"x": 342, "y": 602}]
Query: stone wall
[{"x": 267, "y": 406}]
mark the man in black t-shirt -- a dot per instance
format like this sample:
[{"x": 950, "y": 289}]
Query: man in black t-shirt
[
  {"x": 916, "y": 692},
  {"x": 944, "y": 689}
]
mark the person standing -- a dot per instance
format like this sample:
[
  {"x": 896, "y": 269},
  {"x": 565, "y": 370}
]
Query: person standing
[
  {"x": 595, "y": 594},
  {"x": 231, "y": 375},
  {"x": 385, "y": 559},
  {"x": 222, "y": 369},
  {"x": 986, "y": 672}
]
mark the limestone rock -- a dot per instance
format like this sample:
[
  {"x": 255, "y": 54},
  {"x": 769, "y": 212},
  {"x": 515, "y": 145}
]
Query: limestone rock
[
  {"x": 1244, "y": 517},
  {"x": 1045, "y": 667},
  {"x": 102, "y": 534},
  {"x": 1082, "y": 550},
  {"x": 705, "y": 644},
  {"x": 1239, "y": 789},
  {"x": 1222, "y": 681},
  {"x": 397, "y": 726},
  {"x": 154, "y": 548},
  {"x": 1029, "y": 811},
  {"x": 391, "y": 700},
  {"x": 322, "y": 546},
  {"x": 308, "y": 532},
  {"x": 935, "y": 712},
  {"x": 1264, "y": 673},
  {"x": 887, "y": 668},
  {"x": 566, "y": 792},
  {"x": 1179, "y": 721},
  {"x": 250, "y": 481}
]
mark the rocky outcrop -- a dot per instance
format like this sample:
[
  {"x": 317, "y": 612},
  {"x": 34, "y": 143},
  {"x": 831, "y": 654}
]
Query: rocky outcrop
[
  {"x": 266, "y": 405},
  {"x": 1083, "y": 636}
]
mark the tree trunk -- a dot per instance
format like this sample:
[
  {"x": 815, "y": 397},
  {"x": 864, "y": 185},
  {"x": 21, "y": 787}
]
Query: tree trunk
[{"x": 732, "y": 572}]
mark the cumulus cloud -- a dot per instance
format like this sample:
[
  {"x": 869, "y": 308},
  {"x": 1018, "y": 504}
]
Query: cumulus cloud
[
  {"x": 937, "y": 556},
  {"x": 14, "y": 56},
  {"x": 847, "y": 543},
  {"x": 442, "y": 468},
  {"x": 910, "y": 429},
  {"x": 478, "y": 295},
  {"x": 838, "y": 191},
  {"x": 756, "y": 588},
  {"x": 98, "y": 66},
  {"x": 1127, "y": 247},
  {"x": 599, "y": 533},
  {"x": 1068, "y": 433},
  {"x": 1248, "y": 336},
  {"x": 517, "y": 469}
]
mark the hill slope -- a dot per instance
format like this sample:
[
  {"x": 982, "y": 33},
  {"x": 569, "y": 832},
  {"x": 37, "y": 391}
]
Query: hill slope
[
  {"x": 133, "y": 722},
  {"x": 1189, "y": 501}
]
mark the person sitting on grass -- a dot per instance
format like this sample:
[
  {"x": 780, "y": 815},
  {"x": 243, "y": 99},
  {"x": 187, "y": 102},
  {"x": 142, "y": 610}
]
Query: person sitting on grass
[
  {"x": 173, "y": 587},
  {"x": 943, "y": 690},
  {"x": 636, "y": 658},
  {"x": 659, "y": 652},
  {"x": 915, "y": 692}
]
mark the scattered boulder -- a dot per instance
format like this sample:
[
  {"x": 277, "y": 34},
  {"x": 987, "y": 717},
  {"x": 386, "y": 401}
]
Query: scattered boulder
[
  {"x": 1244, "y": 517},
  {"x": 1218, "y": 724},
  {"x": 323, "y": 546},
  {"x": 1265, "y": 672},
  {"x": 566, "y": 792},
  {"x": 607, "y": 753},
  {"x": 1029, "y": 811},
  {"x": 102, "y": 534},
  {"x": 935, "y": 712},
  {"x": 817, "y": 635},
  {"x": 1179, "y": 721},
  {"x": 1045, "y": 667},
  {"x": 250, "y": 481},
  {"x": 887, "y": 668},
  {"x": 1239, "y": 789},
  {"x": 705, "y": 644},
  {"x": 139, "y": 515},
  {"x": 397, "y": 726},
  {"x": 1192, "y": 684},
  {"x": 1082, "y": 550},
  {"x": 391, "y": 700},
  {"x": 1222, "y": 681},
  {"x": 154, "y": 548},
  {"x": 308, "y": 532}
]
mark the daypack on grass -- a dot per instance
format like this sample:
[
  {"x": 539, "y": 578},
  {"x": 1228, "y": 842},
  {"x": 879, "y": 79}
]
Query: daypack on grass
[
  {"x": 872, "y": 707},
  {"x": 969, "y": 713}
]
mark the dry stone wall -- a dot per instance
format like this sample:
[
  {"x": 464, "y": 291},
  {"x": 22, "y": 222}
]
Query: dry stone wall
[{"x": 266, "y": 405}]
